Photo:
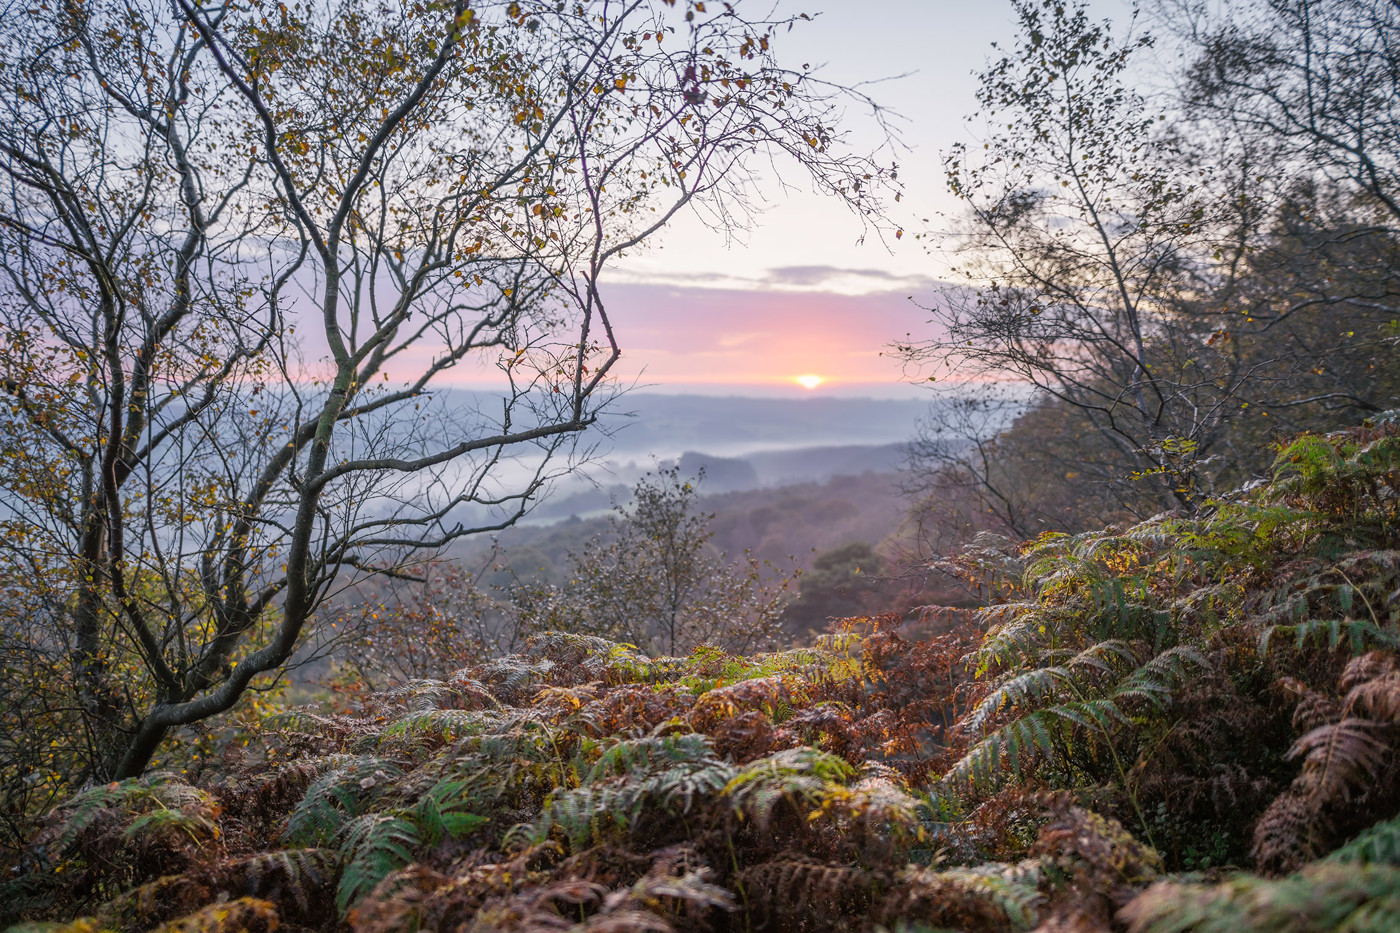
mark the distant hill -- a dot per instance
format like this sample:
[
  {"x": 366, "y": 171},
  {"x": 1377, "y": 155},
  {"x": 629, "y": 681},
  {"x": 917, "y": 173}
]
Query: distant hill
[
  {"x": 742, "y": 443},
  {"x": 797, "y": 520},
  {"x": 730, "y": 426},
  {"x": 764, "y": 469}
]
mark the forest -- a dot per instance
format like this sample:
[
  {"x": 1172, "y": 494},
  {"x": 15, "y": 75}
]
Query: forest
[{"x": 1117, "y": 650}]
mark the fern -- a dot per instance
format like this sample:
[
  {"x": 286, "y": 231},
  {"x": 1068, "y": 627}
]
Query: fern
[
  {"x": 1322, "y": 898},
  {"x": 1357, "y": 634},
  {"x": 1041, "y": 683},
  {"x": 84, "y": 807},
  {"x": 647, "y": 754},
  {"x": 677, "y": 789},
  {"x": 245, "y": 915},
  {"x": 372, "y": 846},
  {"x": 1009, "y": 891},
  {"x": 1348, "y": 752},
  {"x": 514, "y": 676},
  {"x": 1012, "y": 891},
  {"x": 1342, "y": 759},
  {"x": 440, "y": 725},
  {"x": 1038, "y": 734},
  {"x": 159, "y": 796},
  {"x": 441, "y": 813},
  {"x": 1157, "y": 681},
  {"x": 581, "y": 814},
  {"x": 288, "y": 872},
  {"x": 1378, "y": 845},
  {"x": 196, "y": 827},
  {"x": 336, "y": 797},
  {"x": 798, "y": 775},
  {"x": 1015, "y": 634}
]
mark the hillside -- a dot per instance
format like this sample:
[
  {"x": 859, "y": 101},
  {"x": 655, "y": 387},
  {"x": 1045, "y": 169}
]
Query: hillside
[
  {"x": 795, "y": 520},
  {"x": 1192, "y": 724},
  {"x": 642, "y": 423}
]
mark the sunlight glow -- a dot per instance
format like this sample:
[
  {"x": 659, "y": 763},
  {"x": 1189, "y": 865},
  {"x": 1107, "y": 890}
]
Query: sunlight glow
[{"x": 809, "y": 381}]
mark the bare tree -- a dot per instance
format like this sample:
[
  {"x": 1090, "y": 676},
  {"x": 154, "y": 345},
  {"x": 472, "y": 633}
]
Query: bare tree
[
  {"x": 1177, "y": 277},
  {"x": 654, "y": 580},
  {"x": 1320, "y": 78},
  {"x": 243, "y": 245},
  {"x": 1084, "y": 229},
  {"x": 393, "y": 630},
  {"x": 1309, "y": 90}
]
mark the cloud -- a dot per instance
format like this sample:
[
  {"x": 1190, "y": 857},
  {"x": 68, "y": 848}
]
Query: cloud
[
  {"x": 821, "y": 275},
  {"x": 673, "y": 334},
  {"x": 807, "y": 278}
]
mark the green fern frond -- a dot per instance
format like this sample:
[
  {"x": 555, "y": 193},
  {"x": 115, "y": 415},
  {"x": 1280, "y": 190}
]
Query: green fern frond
[
  {"x": 1378, "y": 845},
  {"x": 1032, "y": 687},
  {"x": 442, "y": 725},
  {"x": 297, "y": 871},
  {"x": 337, "y": 796},
  {"x": 443, "y": 813},
  {"x": 372, "y": 846},
  {"x": 571, "y": 647},
  {"x": 647, "y": 754},
  {"x": 514, "y": 674},
  {"x": 147, "y": 804},
  {"x": 78, "y": 813},
  {"x": 421, "y": 695},
  {"x": 1015, "y": 634},
  {"x": 1009, "y": 888},
  {"x": 1023, "y": 689},
  {"x": 1158, "y": 680},
  {"x": 677, "y": 789},
  {"x": 1322, "y": 898},
  {"x": 163, "y": 822},
  {"x": 582, "y": 814},
  {"x": 800, "y": 775},
  {"x": 1097, "y": 710},
  {"x": 1358, "y": 635},
  {"x": 1013, "y": 746}
]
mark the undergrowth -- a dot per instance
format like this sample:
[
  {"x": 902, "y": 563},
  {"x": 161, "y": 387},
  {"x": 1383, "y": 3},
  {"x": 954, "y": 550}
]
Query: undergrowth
[{"x": 1192, "y": 724}]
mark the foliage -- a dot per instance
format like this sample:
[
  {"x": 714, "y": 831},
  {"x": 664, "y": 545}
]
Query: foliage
[
  {"x": 841, "y": 583},
  {"x": 425, "y": 628},
  {"x": 1181, "y": 275},
  {"x": 1321, "y": 898},
  {"x": 1085, "y": 221},
  {"x": 653, "y": 580},
  {"x": 1186, "y": 724},
  {"x": 224, "y": 233}
]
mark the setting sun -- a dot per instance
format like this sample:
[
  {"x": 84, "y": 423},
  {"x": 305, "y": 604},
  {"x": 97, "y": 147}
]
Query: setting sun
[{"x": 809, "y": 381}]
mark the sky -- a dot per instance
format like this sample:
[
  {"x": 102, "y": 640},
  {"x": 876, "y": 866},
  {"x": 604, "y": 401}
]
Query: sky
[
  {"x": 798, "y": 294},
  {"x": 803, "y": 303}
]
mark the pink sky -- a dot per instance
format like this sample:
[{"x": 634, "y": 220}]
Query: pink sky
[
  {"x": 755, "y": 336},
  {"x": 676, "y": 337}
]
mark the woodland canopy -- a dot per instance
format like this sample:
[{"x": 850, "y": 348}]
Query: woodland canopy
[
  {"x": 241, "y": 244},
  {"x": 1166, "y": 700}
]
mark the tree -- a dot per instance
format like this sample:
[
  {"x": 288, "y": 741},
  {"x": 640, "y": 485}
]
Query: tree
[
  {"x": 1309, "y": 91},
  {"x": 1320, "y": 78},
  {"x": 653, "y": 580},
  {"x": 1083, "y": 230},
  {"x": 426, "y": 628},
  {"x": 242, "y": 247},
  {"x": 992, "y": 463},
  {"x": 842, "y": 583},
  {"x": 1177, "y": 284}
]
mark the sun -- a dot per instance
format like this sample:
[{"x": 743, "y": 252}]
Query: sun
[{"x": 809, "y": 381}]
